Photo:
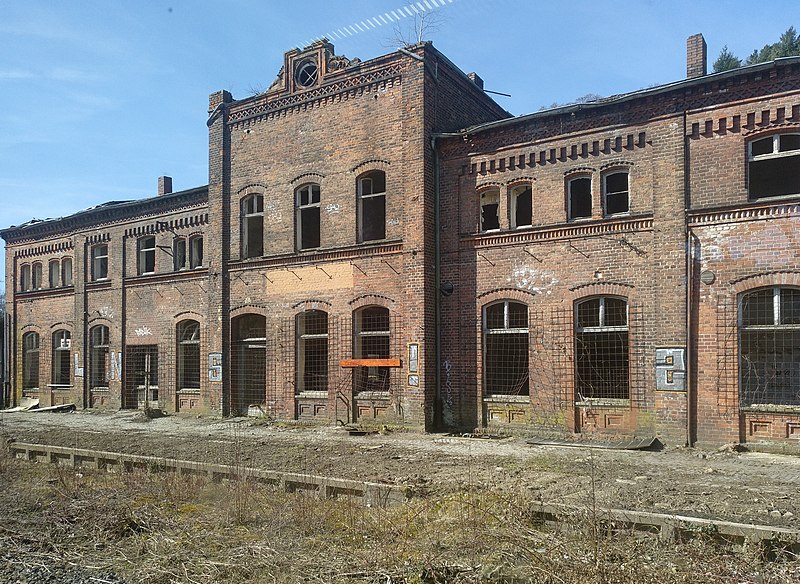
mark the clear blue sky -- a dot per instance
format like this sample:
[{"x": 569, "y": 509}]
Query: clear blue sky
[{"x": 101, "y": 97}]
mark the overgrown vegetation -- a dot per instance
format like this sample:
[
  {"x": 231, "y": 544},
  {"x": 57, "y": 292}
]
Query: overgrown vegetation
[
  {"x": 161, "y": 527},
  {"x": 787, "y": 46}
]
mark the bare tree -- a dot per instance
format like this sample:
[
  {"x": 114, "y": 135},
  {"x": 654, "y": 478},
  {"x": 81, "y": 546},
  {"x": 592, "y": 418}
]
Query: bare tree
[{"x": 411, "y": 32}]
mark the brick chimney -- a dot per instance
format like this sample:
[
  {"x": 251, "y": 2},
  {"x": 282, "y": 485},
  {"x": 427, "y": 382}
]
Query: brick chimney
[
  {"x": 164, "y": 185},
  {"x": 696, "y": 56}
]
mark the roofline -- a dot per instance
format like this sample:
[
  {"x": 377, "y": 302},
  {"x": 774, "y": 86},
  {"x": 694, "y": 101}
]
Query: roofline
[
  {"x": 101, "y": 208},
  {"x": 621, "y": 98}
]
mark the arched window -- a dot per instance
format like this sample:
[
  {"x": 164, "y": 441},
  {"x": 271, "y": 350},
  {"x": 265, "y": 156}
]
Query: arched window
[
  {"x": 579, "y": 197},
  {"x": 521, "y": 206},
  {"x": 371, "y": 340},
  {"x": 195, "y": 251},
  {"x": 248, "y": 362},
  {"x": 774, "y": 166},
  {"x": 615, "y": 192},
  {"x": 490, "y": 210},
  {"x": 179, "y": 254},
  {"x": 188, "y": 354},
  {"x": 372, "y": 206},
  {"x": 252, "y": 226},
  {"x": 36, "y": 277},
  {"x": 505, "y": 349},
  {"x": 307, "y": 205},
  {"x": 61, "y": 357},
  {"x": 25, "y": 278},
  {"x": 769, "y": 347},
  {"x": 601, "y": 349},
  {"x": 30, "y": 361},
  {"x": 66, "y": 272},
  {"x": 147, "y": 254},
  {"x": 53, "y": 273},
  {"x": 99, "y": 262},
  {"x": 98, "y": 357},
  {"x": 312, "y": 351}
]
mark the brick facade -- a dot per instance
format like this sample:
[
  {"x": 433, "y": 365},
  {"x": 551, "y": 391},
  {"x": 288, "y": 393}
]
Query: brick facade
[{"x": 626, "y": 232}]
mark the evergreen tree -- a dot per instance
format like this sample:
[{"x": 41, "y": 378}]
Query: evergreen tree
[
  {"x": 787, "y": 46},
  {"x": 726, "y": 61}
]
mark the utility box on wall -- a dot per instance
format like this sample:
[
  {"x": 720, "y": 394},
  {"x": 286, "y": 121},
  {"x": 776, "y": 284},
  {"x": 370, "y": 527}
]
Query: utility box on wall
[{"x": 671, "y": 369}]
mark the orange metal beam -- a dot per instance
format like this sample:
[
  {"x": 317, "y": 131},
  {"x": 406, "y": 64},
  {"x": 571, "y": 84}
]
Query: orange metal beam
[{"x": 370, "y": 363}]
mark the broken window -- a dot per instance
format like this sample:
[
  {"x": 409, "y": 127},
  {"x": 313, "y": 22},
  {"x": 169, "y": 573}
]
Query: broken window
[
  {"x": 579, "y": 197},
  {"x": 98, "y": 357},
  {"x": 615, "y": 192},
  {"x": 99, "y": 262},
  {"x": 30, "y": 361},
  {"x": 312, "y": 351},
  {"x": 774, "y": 166},
  {"x": 54, "y": 270},
  {"x": 308, "y": 216},
  {"x": 147, "y": 254},
  {"x": 179, "y": 254},
  {"x": 769, "y": 347},
  {"x": 601, "y": 349},
  {"x": 188, "y": 334},
  {"x": 521, "y": 206},
  {"x": 252, "y": 226},
  {"x": 36, "y": 276},
  {"x": 490, "y": 210},
  {"x": 141, "y": 376},
  {"x": 248, "y": 362},
  {"x": 371, "y": 341},
  {"x": 66, "y": 272},
  {"x": 25, "y": 277},
  {"x": 61, "y": 357},
  {"x": 372, "y": 206},
  {"x": 195, "y": 251},
  {"x": 505, "y": 349}
]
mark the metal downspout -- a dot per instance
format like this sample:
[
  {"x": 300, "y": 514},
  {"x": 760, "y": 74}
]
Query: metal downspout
[
  {"x": 437, "y": 259},
  {"x": 689, "y": 250}
]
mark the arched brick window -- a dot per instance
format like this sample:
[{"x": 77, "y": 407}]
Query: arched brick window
[
  {"x": 252, "y": 226},
  {"x": 188, "y": 354},
  {"x": 769, "y": 347},
  {"x": 371, "y": 340},
  {"x": 98, "y": 357},
  {"x": 312, "y": 351},
  {"x": 372, "y": 206},
  {"x": 307, "y": 208},
  {"x": 601, "y": 349},
  {"x": 30, "y": 361},
  {"x": 61, "y": 357},
  {"x": 505, "y": 348},
  {"x": 248, "y": 362}
]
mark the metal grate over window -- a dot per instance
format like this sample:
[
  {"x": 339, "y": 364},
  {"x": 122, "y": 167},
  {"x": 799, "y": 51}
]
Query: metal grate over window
[
  {"x": 769, "y": 347},
  {"x": 312, "y": 351},
  {"x": 248, "y": 362},
  {"x": 372, "y": 341},
  {"x": 98, "y": 357},
  {"x": 505, "y": 349},
  {"x": 61, "y": 357},
  {"x": 188, "y": 333},
  {"x": 601, "y": 349},
  {"x": 30, "y": 361}
]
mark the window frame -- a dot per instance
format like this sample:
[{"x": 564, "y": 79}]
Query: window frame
[
  {"x": 372, "y": 380},
  {"x": 36, "y": 276},
  {"x": 99, "y": 257},
  {"x": 146, "y": 254},
  {"x": 304, "y": 213},
  {"x": 193, "y": 329},
  {"x": 489, "y": 391},
  {"x": 66, "y": 271},
  {"x": 97, "y": 350},
  {"x": 485, "y": 193},
  {"x": 31, "y": 361},
  {"x": 25, "y": 278},
  {"x": 571, "y": 179},
  {"x": 195, "y": 251},
  {"x": 514, "y": 194},
  {"x": 302, "y": 338},
  {"x": 370, "y": 198},
  {"x": 627, "y": 192},
  {"x": 775, "y": 154},
  {"x": 61, "y": 364},
  {"x": 251, "y": 220},
  {"x": 53, "y": 269}
]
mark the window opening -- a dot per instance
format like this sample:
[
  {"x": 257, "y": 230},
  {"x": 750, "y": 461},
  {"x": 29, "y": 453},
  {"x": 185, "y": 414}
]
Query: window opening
[
  {"x": 522, "y": 206},
  {"x": 601, "y": 349},
  {"x": 30, "y": 361},
  {"x": 61, "y": 357},
  {"x": 253, "y": 226},
  {"x": 147, "y": 255},
  {"x": 307, "y": 73},
  {"x": 188, "y": 334},
  {"x": 580, "y": 197},
  {"x": 25, "y": 277},
  {"x": 249, "y": 362},
  {"x": 312, "y": 351},
  {"x": 615, "y": 190},
  {"x": 141, "y": 376},
  {"x": 99, "y": 262},
  {"x": 98, "y": 357},
  {"x": 490, "y": 210},
  {"x": 372, "y": 206},
  {"x": 54, "y": 270},
  {"x": 308, "y": 216},
  {"x": 179, "y": 254},
  {"x": 196, "y": 251},
  {"x": 372, "y": 335},
  {"x": 505, "y": 346},
  {"x": 66, "y": 272},
  {"x": 774, "y": 166},
  {"x": 769, "y": 347},
  {"x": 36, "y": 277}
]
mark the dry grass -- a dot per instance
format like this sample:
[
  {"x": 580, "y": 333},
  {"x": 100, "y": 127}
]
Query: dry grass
[{"x": 160, "y": 527}]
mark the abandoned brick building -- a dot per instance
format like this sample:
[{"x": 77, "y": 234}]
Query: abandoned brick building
[{"x": 379, "y": 240}]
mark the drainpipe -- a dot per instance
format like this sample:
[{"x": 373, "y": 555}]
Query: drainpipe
[
  {"x": 438, "y": 419},
  {"x": 690, "y": 250}
]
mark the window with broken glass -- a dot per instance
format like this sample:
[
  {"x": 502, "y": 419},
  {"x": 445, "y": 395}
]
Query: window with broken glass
[
  {"x": 195, "y": 251},
  {"x": 252, "y": 226},
  {"x": 147, "y": 254},
  {"x": 615, "y": 192},
  {"x": 521, "y": 206},
  {"x": 372, "y": 206},
  {"x": 61, "y": 357},
  {"x": 505, "y": 349},
  {"x": 774, "y": 166},
  {"x": 601, "y": 349},
  {"x": 307, "y": 201},
  {"x": 490, "y": 210},
  {"x": 769, "y": 347},
  {"x": 312, "y": 351}
]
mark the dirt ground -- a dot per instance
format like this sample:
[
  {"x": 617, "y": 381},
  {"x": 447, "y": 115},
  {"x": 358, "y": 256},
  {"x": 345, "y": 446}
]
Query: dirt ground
[{"x": 748, "y": 487}]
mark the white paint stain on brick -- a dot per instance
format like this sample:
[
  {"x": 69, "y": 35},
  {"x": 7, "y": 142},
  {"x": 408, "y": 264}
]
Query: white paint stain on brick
[{"x": 532, "y": 279}]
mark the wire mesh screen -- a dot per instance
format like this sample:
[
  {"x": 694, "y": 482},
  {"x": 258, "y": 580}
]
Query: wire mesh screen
[
  {"x": 769, "y": 347},
  {"x": 602, "y": 350},
  {"x": 248, "y": 362},
  {"x": 727, "y": 351},
  {"x": 141, "y": 375}
]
